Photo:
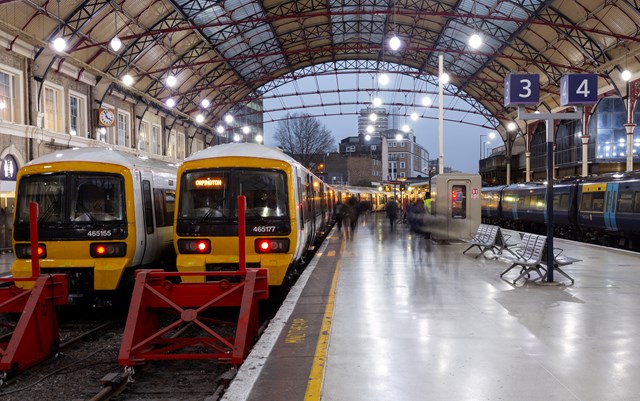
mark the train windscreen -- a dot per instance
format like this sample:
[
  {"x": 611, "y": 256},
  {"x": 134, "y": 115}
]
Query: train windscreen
[
  {"x": 210, "y": 195},
  {"x": 72, "y": 198}
]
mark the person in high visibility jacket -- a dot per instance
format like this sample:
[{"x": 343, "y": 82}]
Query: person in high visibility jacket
[{"x": 427, "y": 203}]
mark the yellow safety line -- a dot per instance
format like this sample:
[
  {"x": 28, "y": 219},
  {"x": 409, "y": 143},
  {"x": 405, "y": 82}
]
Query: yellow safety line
[{"x": 316, "y": 377}]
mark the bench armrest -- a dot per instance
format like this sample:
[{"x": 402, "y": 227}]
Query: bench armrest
[{"x": 557, "y": 252}]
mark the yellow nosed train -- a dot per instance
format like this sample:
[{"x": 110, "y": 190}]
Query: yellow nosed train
[
  {"x": 287, "y": 209},
  {"x": 103, "y": 213}
]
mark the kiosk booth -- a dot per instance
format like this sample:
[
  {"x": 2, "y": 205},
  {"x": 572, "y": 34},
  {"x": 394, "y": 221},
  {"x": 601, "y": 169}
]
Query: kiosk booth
[{"x": 455, "y": 206}]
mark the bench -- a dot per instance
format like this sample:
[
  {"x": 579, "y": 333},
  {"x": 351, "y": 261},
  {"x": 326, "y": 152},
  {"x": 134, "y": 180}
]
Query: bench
[
  {"x": 560, "y": 261},
  {"x": 527, "y": 255},
  {"x": 484, "y": 239},
  {"x": 489, "y": 238}
]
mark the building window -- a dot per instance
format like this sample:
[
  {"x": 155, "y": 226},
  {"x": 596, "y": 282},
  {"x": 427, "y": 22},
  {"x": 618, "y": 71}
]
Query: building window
[
  {"x": 171, "y": 145},
  {"x": 156, "y": 140},
  {"x": 78, "y": 114},
  {"x": 124, "y": 130},
  {"x": 144, "y": 143},
  {"x": 197, "y": 145},
  {"x": 402, "y": 155},
  {"x": 181, "y": 146},
  {"x": 403, "y": 165},
  {"x": 374, "y": 147},
  {"x": 350, "y": 149},
  {"x": 53, "y": 108},
  {"x": 402, "y": 174},
  {"x": 10, "y": 99},
  {"x": 402, "y": 144}
]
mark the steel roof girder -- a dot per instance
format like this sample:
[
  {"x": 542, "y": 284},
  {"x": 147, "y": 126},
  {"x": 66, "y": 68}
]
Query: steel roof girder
[{"x": 583, "y": 42}]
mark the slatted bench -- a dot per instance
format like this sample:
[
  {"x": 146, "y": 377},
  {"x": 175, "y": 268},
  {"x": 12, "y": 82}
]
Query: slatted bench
[
  {"x": 560, "y": 261},
  {"x": 484, "y": 239},
  {"x": 489, "y": 238},
  {"x": 527, "y": 255}
]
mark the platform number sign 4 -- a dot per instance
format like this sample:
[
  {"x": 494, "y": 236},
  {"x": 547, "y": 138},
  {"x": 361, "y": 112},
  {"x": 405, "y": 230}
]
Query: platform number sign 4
[
  {"x": 521, "y": 89},
  {"x": 578, "y": 89}
]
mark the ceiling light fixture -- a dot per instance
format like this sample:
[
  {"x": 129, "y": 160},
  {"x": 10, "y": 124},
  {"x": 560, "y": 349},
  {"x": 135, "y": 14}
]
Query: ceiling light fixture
[
  {"x": 59, "y": 44},
  {"x": 116, "y": 43},
  {"x": 394, "y": 43},
  {"x": 475, "y": 41}
]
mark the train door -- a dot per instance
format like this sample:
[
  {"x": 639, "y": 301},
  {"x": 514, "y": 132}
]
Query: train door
[
  {"x": 611, "y": 201},
  {"x": 148, "y": 243}
]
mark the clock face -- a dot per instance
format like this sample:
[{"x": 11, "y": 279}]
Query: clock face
[{"x": 106, "y": 117}]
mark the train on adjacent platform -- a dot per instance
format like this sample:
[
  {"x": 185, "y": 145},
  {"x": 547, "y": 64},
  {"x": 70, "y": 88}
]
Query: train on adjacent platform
[
  {"x": 376, "y": 199},
  {"x": 602, "y": 209},
  {"x": 102, "y": 214},
  {"x": 288, "y": 209}
]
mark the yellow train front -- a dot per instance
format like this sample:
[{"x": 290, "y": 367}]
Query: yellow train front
[
  {"x": 287, "y": 209},
  {"x": 102, "y": 214}
]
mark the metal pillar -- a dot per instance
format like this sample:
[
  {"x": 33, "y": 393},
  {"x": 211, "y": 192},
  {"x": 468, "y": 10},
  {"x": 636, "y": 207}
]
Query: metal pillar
[{"x": 549, "y": 118}]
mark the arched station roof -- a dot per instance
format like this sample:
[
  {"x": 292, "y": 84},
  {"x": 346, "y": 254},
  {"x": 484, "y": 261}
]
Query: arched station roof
[{"x": 230, "y": 50}]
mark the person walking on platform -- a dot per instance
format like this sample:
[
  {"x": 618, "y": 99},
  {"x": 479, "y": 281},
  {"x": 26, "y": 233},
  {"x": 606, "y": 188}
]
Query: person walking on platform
[
  {"x": 392, "y": 211},
  {"x": 338, "y": 215},
  {"x": 427, "y": 203}
]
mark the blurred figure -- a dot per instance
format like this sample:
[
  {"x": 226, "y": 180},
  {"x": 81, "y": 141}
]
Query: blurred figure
[
  {"x": 338, "y": 215},
  {"x": 415, "y": 215},
  {"x": 427, "y": 203},
  {"x": 392, "y": 211},
  {"x": 354, "y": 212}
]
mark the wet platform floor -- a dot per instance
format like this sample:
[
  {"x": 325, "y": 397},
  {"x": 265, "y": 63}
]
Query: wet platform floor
[{"x": 392, "y": 316}]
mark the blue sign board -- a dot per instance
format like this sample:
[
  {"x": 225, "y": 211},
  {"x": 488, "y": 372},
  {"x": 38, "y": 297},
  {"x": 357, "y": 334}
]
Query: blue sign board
[
  {"x": 578, "y": 89},
  {"x": 521, "y": 89}
]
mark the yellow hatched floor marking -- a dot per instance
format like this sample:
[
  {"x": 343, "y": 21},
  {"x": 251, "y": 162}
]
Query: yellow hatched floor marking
[{"x": 316, "y": 377}]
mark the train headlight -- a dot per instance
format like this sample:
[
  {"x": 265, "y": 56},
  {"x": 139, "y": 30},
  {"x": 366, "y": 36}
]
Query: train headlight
[
  {"x": 272, "y": 245},
  {"x": 23, "y": 251},
  {"x": 108, "y": 249},
  {"x": 194, "y": 246}
]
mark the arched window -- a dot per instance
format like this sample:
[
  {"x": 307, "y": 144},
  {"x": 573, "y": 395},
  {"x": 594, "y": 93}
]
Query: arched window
[
  {"x": 567, "y": 141},
  {"x": 539, "y": 147},
  {"x": 607, "y": 127}
]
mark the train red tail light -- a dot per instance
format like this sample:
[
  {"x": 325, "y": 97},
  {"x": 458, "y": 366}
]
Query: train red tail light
[
  {"x": 198, "y": 245},
  {"x": 272, "y": 245},
  {"x": 108, "y": 249},
  {"x": 23, "y": 251}
]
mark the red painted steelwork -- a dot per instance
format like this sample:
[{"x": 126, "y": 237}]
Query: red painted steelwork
[
  {"x": 170, "y": 321},
  {"x": 35, "y": 337}
]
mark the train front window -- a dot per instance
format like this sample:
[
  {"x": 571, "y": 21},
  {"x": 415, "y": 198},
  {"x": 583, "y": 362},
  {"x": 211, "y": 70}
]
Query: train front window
[
  {"x": 72, "y": 197},
  {"x": 97, "y": 198},
  {"x": 212, "y": 194},
  {"x": 48, "y": 191}
]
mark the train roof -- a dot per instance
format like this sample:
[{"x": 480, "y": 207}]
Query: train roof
[
  {"x": 103, "y": 155},
  {"x": 619, "y": 176},
  {"x": 242, "y": 150}
]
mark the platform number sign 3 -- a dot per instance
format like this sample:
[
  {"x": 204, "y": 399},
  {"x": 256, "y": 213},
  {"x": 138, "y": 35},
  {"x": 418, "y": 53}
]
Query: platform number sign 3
[
  {"x": 521, "y": 89},
  {"x": 578, "y": 89}
]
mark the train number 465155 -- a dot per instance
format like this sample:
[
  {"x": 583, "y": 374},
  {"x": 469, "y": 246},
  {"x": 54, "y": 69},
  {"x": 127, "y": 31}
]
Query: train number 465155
[{"x": 99, "y": 233}]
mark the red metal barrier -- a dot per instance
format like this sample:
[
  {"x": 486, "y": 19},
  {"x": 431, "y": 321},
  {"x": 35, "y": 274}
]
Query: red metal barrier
[
  {"x": 35, "y": 337},
  {"x": 182, "y": 321}
]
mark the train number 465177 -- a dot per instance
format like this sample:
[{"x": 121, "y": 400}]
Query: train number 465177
[{"x": 264, "y": 229}]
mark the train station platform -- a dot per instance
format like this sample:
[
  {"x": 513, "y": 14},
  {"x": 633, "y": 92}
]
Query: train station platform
[{"x": 391, "y": 316}]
